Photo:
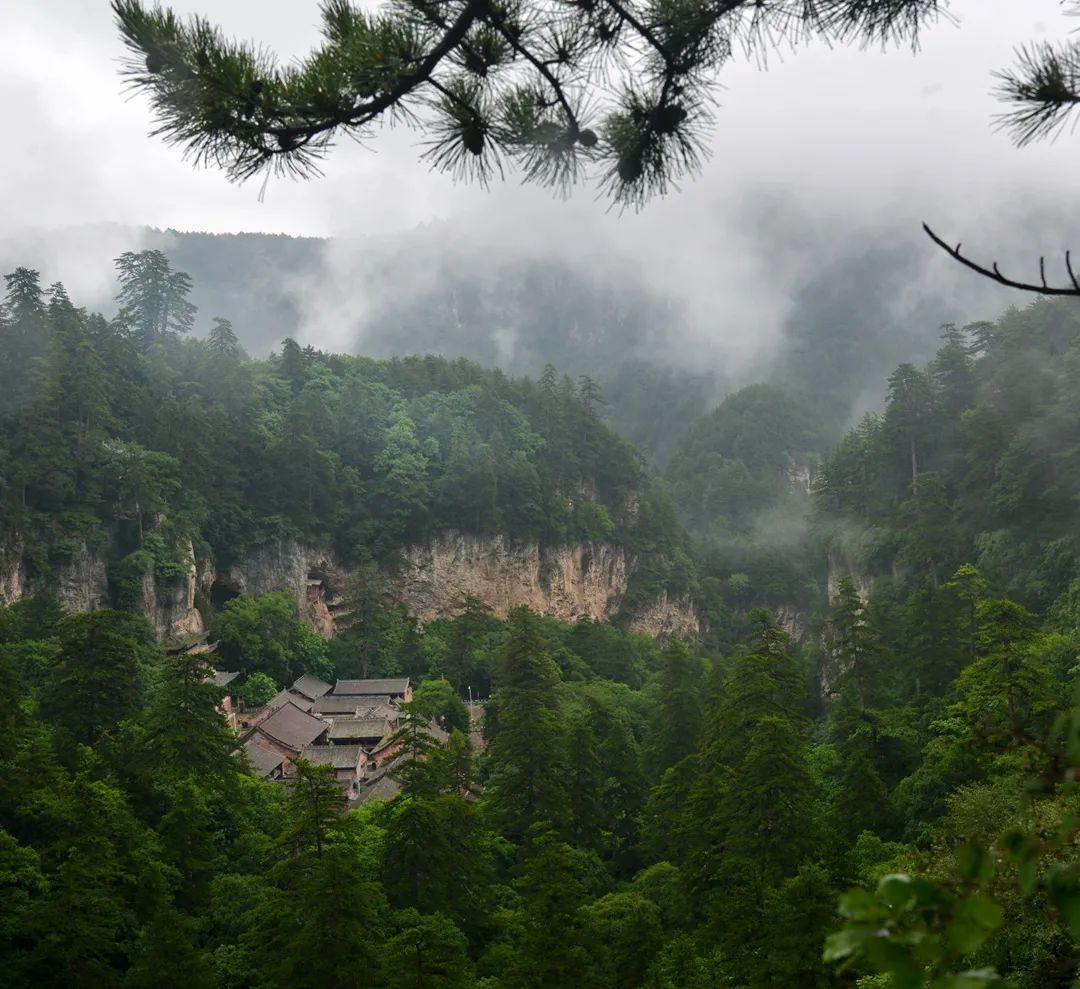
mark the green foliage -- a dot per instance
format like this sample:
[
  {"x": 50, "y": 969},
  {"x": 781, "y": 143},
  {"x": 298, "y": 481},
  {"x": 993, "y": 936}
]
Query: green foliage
[
  {"x": 135, "y": 438},
  {"x": 258, "y": 688},
  {"x": 265, "y": 635},
  {"x": 496, "y": 87},
  {"x": 429, "y": 952},
  {"x": 642, "y": 814},
  {"x": 528, "y": 745},
  {"x": 95, "y": 682},
  {"x": 918, "y": 933},
  {"x": 439, "y": 699}
]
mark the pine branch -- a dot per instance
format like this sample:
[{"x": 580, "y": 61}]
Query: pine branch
[
  {"x": 994, "y": 272},
  {"x": 230, "y": 105},
  {"x": 1044, "y": 88}
]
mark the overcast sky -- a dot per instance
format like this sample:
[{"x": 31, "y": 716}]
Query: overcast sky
[
  {"x": 873, "y": 129},
  {"x": 822, "y": 149}
]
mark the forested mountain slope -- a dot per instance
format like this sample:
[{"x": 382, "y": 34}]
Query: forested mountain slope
[
  {"x": 129, "y": 443},
  {"x": 973, "y": 459},
  {"x": 448, "y": 290},
  {"x": 641, "y": 814}
]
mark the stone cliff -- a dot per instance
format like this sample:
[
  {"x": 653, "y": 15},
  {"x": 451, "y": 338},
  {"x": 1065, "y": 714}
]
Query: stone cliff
[
  {"x": 565, "y": 582},
  {"x": 841, "y": 564},
  {"x": 172, "y": 610},
  {"x": 587, "y": 580},
  {"x": 80, "y": 584}
]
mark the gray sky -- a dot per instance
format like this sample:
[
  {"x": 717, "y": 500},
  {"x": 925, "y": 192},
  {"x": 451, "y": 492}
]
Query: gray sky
[
  {"x": 877, "y": 130},
  {"x": 829, "y": 146}
]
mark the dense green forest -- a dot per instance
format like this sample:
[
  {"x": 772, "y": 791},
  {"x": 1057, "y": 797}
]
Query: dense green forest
[
  {"x": 883, "y": 800},
  {"x": 444, "y": 290},
  {"x": 131, "y": 434}
]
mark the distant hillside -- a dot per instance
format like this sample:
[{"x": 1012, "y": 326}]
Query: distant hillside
[{"x": 520, "y": 308}]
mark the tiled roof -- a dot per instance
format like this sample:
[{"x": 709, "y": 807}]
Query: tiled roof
[
  {"x": 283, "y": 697},
  {"x": 338, "y": 756},
  {"x": 385, "y": 788},
  {"x": 292, "y": 727},
  {"x": 261, "y": 757},
  {"x": 381, "y": 709},
  {"x": 311, "y": 687},
  {"x": 365, "y": 729},
  {"x": 437, "y": 732},
  {"x": 222, "y": 678},
  {"x": 337, "y": 705},
  {"x": 367, "y": 687}
]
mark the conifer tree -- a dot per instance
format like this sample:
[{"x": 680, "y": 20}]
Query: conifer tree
[
  {"x": 222, "y": 339},
  {"x": 186, "y": 736},
  {"x": 153, "y": 298},
  {"x": 527, "y": 752},
  {"x": 677, "y": 727},
  {"x": 429, "y": 952},
  {"x": 95, "y": 684},
  {"x": 862, "y": 801},
  {"x": 323, "y": 922},
  {"x": 23, "y": 340},
  {"x": 852, "y": 643},
  {"x": 748, "y": 811},
  {"x": 558, "y": 946}
]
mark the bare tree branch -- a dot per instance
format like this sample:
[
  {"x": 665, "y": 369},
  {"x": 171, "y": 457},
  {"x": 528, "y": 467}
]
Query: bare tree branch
[{"x": 994, "y": 272}]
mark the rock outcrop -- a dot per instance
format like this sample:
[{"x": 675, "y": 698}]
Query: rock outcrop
[
  {"x": 792, "y": 620},
  {"x": 310, "y": 574},
  {"x": 566, "y": 582},
  {"x": 588, "y": 580},
  {"x": 172, "y": 611},
  {"x": 82, "y": 583},
  {"x": 666, "y": 616},
  {"x": 840, "y": 566},
  {"x": 12, "y": 572}
]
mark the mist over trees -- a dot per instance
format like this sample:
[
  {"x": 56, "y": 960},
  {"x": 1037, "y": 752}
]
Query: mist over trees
[
  {"x": 643, "y": 813},
  {"x": 818, "y": 723}
]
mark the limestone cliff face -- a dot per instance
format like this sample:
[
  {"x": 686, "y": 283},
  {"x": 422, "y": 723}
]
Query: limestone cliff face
[
  {"x": 792, "y": 620},
  {"x": 290, "y": 567},
  {"x": 12, "y": 572},
  {"x": 82, "y": 583},
  {"x": 667, "y": 616},
  {"x": 565, "y": 582},
  {"x": 172, "y": 611},
  {"x": 840, "y": 566}
]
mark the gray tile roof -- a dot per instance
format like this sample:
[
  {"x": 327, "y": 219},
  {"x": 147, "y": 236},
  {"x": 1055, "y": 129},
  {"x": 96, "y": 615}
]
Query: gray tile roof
[
  {"x": 283, "y": 697},
  {"x": 363, "y": 729},
  {"x": 261, "y": 757},
  {"x": 338, "y": 756},
  {"x": 292, "y": 727},
  {"x": 222, "y": 678},
  {"x": 385, "y": 788},
  {"x": 367, "y": 687},
  {"x": 311, "y": 687},
  {"x": 337, "y": 705},
  {"x": 382, "y": 708}
]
